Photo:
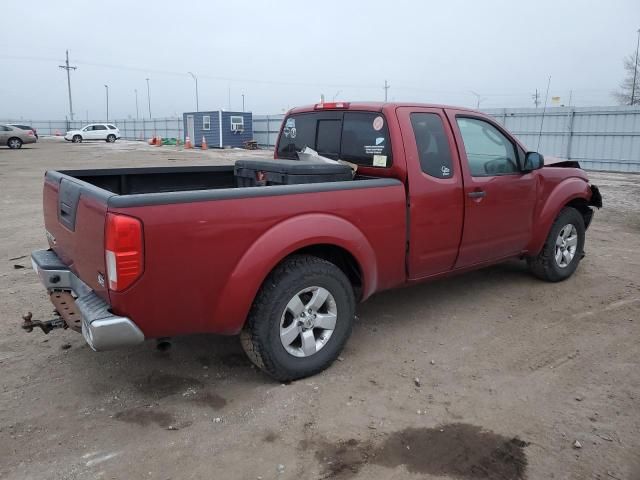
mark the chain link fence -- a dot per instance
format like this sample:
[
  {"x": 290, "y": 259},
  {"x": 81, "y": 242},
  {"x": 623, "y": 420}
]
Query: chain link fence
[
  {"x": 266, "y": 129},
  {"x": 600, "y": 138},
  {"x": 130, "y": 129}
]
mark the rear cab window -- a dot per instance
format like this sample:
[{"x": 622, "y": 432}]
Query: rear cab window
[
  {"x": 432, "y": 145},
  {"x": 354, "y": 136}
]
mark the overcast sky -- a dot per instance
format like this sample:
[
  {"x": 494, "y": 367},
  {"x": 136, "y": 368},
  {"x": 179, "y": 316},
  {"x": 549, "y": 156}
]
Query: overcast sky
[{"x": 286, "y": 53}]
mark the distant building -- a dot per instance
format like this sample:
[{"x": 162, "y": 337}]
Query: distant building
[{"x": 220, "y": 128}]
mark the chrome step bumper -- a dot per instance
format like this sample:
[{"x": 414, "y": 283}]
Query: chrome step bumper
[{"x": 101, "y": 329}]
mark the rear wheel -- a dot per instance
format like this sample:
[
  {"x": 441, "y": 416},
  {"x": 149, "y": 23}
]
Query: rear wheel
[
  {"x": 77, "y": 139},
  {"x": 300, "y": 319},
  {"x": 111, "y": 138},
  {"x": 563, "y": 249},
  {"x": 14, "y": 143}
]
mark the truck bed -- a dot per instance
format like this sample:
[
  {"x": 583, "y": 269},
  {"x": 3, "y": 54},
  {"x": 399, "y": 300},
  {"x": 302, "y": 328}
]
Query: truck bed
[
  {"x": 124, "y": 187},
  {"x": 134, "y": 181}
]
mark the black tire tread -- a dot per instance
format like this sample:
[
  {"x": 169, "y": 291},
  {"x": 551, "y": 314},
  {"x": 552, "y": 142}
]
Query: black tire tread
[
  {"x": 16, "y": 138},
  {"x": 254, "y": 347},
  {"x": 542, "y": 265}
]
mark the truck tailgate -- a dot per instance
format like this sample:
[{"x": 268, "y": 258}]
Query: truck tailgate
[{"x": 74, "y": 216}]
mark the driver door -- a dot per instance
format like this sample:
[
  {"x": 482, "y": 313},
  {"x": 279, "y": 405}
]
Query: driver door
[
  {"x": 88, "y": 133},
  {"x": 499, "y": 198}
]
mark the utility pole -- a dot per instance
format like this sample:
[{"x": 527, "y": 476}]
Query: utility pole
[
  {"x": 137, "y": 114},
  {"x": 196, "y": 79},
  {"x": 68, "y": 69},
  {"x": 544, "y": 110},
  {"x": 536, "y": 98},
  {"x": 229, "y": 98},
  {"x": 243, "y": 103},
  {"x": 386, "y": 90},
  {"x": 635, "y": 72},
  {"x": 148, "y": 97},
  {"x": 107, "y": 90},
  {"x": 479, "y": 98}
]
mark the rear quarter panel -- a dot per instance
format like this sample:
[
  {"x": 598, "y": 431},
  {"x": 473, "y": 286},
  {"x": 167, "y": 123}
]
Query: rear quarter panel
[{"x": 206, "y": 260}]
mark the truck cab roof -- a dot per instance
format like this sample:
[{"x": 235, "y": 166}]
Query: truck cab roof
[{"x": 371, "y": 106}]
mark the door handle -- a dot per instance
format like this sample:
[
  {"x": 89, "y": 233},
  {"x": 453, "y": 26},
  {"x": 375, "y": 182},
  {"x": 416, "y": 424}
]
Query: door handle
[{"x": 477, "y": 194}]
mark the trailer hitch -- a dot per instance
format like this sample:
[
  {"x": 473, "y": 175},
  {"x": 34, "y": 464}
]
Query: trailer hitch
[{"x": 28, "y": 324}]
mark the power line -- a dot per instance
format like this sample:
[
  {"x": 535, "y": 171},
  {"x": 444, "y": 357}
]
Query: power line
[
  {"x": 68, "y": 69},
  {"x": 287, "y": 83}
]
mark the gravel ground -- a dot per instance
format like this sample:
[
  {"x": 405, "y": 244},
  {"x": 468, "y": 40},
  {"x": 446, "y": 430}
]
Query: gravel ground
[{"x": 491, "y": 374}]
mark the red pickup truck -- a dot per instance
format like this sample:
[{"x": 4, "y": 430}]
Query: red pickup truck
[{"x": 143, "y": 253}]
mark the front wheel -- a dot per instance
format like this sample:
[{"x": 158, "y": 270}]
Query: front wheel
[
  {"x": 300, "y": 319},
  {"x": 111, "y": 138},
  {"x": 77, "y": 139},
  {"x": 14, "y": 143},
  {"x": 563, "y": 249}
]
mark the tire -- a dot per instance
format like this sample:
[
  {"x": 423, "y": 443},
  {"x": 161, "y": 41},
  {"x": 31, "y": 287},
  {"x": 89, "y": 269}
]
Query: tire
[
  {"x": 271, "y": 314},
  {"x": 552, "y": 264},
  {"x": 111, "y": 138},
  {"x": 14, "y": 143},
  {"x": 76, "y": 139}
]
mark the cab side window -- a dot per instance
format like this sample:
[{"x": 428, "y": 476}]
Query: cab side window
[
  {"x": 489, "y": 152},
  {"x": 432, "y": 145}
]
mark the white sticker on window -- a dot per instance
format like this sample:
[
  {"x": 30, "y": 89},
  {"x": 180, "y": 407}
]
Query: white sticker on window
[
  {"x": 373, "y": 149},
  {"x": 379, "y": 160},
  {"x": 378, "y": 123},
  {"x": 379, "y": 140},
  {"x": 291, "y": 123}
]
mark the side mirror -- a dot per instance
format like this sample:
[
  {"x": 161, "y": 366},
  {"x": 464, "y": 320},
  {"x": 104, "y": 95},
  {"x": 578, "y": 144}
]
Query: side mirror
[{"x": 533, "y": 161}]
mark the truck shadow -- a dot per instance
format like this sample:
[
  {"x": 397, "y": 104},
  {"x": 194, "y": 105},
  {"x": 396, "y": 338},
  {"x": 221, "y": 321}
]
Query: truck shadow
[
  {"x": 466, "y": 288},
  {"x": 198, "y": 363}
]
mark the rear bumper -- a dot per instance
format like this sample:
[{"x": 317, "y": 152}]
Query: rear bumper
[{"x": 100, "y": 327}]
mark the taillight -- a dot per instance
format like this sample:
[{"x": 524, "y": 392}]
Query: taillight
[
  {"x": 30, "y": 132},
  {"x": 123, "y": 250}
]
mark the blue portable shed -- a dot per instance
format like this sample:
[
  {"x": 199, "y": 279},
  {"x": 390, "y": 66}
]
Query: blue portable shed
[{"x": 220, "y": 128}]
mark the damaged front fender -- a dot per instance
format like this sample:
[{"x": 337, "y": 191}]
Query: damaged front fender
[{"x": 596, "y": 197}]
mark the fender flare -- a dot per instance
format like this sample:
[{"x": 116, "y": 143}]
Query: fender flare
[
  {"x": 277, "y": 243},
  {"x": 566, "y": 191}
]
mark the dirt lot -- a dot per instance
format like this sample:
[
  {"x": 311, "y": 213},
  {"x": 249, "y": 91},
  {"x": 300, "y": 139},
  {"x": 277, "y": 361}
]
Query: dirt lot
[{"x": 510, "y": 371}]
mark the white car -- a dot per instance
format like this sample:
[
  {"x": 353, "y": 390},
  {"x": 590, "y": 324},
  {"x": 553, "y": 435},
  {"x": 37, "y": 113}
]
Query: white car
[{"x": 96, "y": 131}]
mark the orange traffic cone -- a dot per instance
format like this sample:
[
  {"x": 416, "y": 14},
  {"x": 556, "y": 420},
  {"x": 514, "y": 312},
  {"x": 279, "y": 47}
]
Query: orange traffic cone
[
  {"x": 187, "y": 143},
  {"x": 158, "y": 141},
  {"x": 204, "y": 143},
  {"x": 152, "y": 141}
]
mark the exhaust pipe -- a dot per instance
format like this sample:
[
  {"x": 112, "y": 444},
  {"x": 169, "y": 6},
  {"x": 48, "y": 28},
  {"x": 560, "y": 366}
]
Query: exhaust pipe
[{"x": 163, "y": 344}]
